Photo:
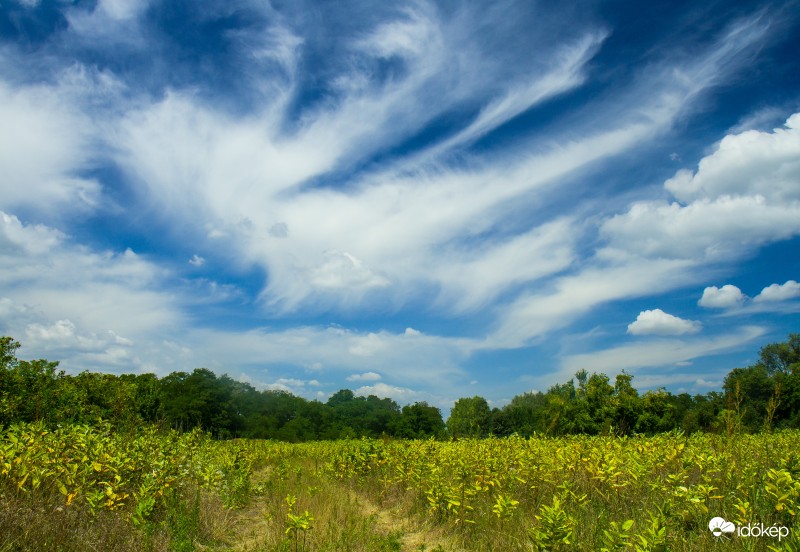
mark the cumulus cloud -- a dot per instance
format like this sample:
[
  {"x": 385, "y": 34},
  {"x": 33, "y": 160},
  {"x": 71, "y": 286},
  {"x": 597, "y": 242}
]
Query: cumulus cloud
[
  {"x": 657, "y": 245},
  {"x": 742, "y": 195},
  {"x": 779, "y": 292},
  {"x": 726, "y": 297},
  {"x": 658, "y": 322},
  {"x": 34, "y": 239},
  {"x": 723, "y": 228},
  {"x": 750, "y": 163}
]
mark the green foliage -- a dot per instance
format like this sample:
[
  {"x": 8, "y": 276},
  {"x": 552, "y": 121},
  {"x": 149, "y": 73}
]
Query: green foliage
[
  {"x": 576, "y": 492},
  {"x": 419, "y": 421},
  {"x": 761, "y": 397},
  {"x": 654, "y": 536},
  {"x": 470, "y": 417},
  {"x": 33, "y": 390},
  {"x": 554, "y": 528},
  {"x": 297, "y": 525},
  {"x": 617, "y": 537}
]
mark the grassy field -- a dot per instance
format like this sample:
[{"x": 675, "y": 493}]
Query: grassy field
[{"x": 89, "y": 488}]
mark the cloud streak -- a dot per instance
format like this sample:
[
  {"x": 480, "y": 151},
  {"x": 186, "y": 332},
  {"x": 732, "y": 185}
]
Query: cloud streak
[
  {"x": 658, "y": 353},
  {"x": 287, "y": 191}
]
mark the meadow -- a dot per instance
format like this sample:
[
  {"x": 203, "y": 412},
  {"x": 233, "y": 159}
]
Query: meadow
[{"x": 87, "y": 487}]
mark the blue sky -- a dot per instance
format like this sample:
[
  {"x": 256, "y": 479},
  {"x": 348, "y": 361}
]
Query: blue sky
[{"x": 418, "y": 200}]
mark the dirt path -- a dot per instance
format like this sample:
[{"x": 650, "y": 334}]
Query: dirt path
[
  {"x": 259, "y": 525},
  {"x": 415, "y": 535}
]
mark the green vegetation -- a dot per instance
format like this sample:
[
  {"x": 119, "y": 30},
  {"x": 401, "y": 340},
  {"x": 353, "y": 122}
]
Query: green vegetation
[
  {"x": 105, "y": 462},
  {"x": 765, "y": 395},
  {"x": 79, "y": 487}
]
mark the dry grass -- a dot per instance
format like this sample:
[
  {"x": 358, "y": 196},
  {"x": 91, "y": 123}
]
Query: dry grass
[
  {"x": 39, "y": 524},
  {"x": 350, "y": 508},
  {"x": 344, "y": 520}
]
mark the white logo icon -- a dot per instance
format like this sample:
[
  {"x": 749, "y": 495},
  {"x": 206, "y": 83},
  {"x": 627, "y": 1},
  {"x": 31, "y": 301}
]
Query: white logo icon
[{"x": 718, "y": 526}]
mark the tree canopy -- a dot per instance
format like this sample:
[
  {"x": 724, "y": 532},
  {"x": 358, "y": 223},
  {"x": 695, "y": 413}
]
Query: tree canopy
[{"x": 763, "y": 396}]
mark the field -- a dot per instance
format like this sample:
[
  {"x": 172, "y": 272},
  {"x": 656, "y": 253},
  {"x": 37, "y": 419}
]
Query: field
[{"x": 83, "y": 487}]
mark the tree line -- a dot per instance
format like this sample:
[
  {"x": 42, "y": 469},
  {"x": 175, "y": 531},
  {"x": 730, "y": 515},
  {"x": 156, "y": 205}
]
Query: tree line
[{"x": 763, "y": 396}]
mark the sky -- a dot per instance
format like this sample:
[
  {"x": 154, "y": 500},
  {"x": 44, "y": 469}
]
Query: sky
[{"x": 418, "y": 200}]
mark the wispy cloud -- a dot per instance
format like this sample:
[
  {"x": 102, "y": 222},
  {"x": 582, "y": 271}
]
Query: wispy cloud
[
  {"x": 44, "y": 144},
  {"x": 366, "y": 376},
  {"x": 450, "y": 168},
  {"x": 658, "y": 352}
]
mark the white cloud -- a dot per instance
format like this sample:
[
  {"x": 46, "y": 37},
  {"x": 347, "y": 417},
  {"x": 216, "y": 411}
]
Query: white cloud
[
  {"x": 662, "y": 352},
  {"x": 567, "y": 73},
  {"x": 779, "y": 292},
  {"x": 445, "y": 226},
  {"x": 658, "y": 322},
  {"x": 366, "y": 376},
  {"x": 400, "y": 394},
  {"x": 434, "y": 360},
  {"x": 413, "y": 245},
  {"x": 723, "y": 228},
  {"x": 122, "y": 9},
  {"x": 341, "y": 270},
  {"x": 743, "y": 195},
  {"x": 763, "y": 119},
  {"x": 19, "y": 239},
  {"x": 534, "y": 314},
  {"x": 295, "y": 386},
  {"x": 726, "y": 297},
  {"x": 399, "y": 233},
  {"x": 472, "y": 276},
  {"x": 368, "y": 345},
  {"x": 61, "y": 330},
  {"x": 43, "y": 144},
  {"x": 405, "y": 37},
  {"x": 707, "y": 384},
  {"x": 751, "y": 163},
  {"x": 63, "y": 334},
  {"x": 85, "y": 307}
]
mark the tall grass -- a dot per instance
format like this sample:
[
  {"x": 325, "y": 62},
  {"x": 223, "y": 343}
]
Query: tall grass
[{"x": 88, "y": 489}]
